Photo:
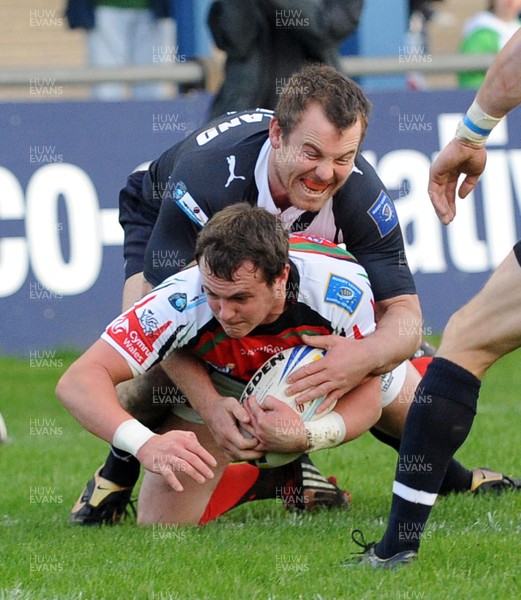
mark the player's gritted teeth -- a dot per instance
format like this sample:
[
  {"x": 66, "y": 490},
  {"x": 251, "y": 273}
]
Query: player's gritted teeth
[{"x": 314, "y": 186}]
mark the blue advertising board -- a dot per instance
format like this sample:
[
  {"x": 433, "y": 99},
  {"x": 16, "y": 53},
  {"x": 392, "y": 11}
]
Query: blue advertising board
[{"x": 62, "y": 165}]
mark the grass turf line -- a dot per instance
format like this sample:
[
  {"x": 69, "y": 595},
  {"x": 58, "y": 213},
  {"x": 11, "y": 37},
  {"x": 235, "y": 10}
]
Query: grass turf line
[{"x": 257, "y": 552}]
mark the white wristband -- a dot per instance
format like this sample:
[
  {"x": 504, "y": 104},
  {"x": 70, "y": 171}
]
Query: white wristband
[
  {"x": 131, "y": 435},
  {"x": 327, "y": 432},
  {"x": 476, "y": 126}
]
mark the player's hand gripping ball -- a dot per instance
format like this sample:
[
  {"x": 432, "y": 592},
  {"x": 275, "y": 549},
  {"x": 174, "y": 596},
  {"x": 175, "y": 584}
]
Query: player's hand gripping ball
[{"x": 270, "y": 380}]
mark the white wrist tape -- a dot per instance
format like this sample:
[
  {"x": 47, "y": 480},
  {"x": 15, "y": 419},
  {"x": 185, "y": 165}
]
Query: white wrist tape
[
  {"x": 327, "y": 432},
  {"x": 476, "y": 126},
  {"x": 131, "y": 435}
]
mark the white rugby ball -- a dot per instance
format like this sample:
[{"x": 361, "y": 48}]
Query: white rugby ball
[
  {"x": 3, "y": 430},
  {"x": 271, "y": 380}
]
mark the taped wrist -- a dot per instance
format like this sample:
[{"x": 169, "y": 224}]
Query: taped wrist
[
  {"x": 131, "y": 435},
  {"x": 476, "y": 125},
  {"x": 327, "y": 432}
]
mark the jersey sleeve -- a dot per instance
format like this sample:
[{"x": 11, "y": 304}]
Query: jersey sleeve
[
  {"x": 193, "y": 192},
  {"x": 368, "y": 220},
  {"x": 166, "y": 319},
  {"x": 338, "y": 288},
  {"x": 349, "y": 301}
]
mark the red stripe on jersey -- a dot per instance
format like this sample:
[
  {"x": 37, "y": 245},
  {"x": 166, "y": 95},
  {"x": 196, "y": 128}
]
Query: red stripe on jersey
[
  {"x": 241, "y": 358},
  {"x": 357, "y": 334},
  {"x": 303, "y": 242}
]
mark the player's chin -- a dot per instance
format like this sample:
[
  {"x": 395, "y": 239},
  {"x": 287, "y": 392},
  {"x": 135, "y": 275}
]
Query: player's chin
[
  {"x": 236, "y": 331},
  {"x": 310, "y": 203},
  {"x": 307, "y": 200}
]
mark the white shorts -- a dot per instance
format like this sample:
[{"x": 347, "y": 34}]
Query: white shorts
[{"x": 392, "y": 383}]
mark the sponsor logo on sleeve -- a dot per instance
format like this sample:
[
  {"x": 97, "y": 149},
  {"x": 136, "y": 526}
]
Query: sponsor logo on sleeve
[
  {"x": 178, "y": 301},
  {"x": 136, "y": 331},
  {"x": 126, "y": 332},
  {"x": 188, "y": 205},
  {"x": 343, "y": 293},
  {"x": 383, "y": 214}
]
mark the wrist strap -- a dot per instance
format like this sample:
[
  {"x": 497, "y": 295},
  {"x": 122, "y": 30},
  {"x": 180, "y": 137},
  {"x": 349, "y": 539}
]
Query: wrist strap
[
  {"x": 327, "y": 432},
  {"x": 476, "y": 125},
  {"x": 131, "y": 435}
]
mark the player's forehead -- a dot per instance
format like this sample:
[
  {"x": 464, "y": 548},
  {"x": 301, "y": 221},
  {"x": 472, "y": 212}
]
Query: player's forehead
[
  {"x": 315, "y": 129},
  {"x": 247, "y": 279}
]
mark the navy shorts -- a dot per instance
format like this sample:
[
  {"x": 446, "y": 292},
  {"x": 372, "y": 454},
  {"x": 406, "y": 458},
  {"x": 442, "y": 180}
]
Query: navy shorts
[{"x": 137, "y": 217}]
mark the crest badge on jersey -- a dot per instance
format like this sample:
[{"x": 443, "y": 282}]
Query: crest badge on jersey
[
  {"x": 178, "y": 301},
  {"x": 383, "y": 214},
  {"x": 343, "y": 293},
  {"x": 188, "y": 205}
]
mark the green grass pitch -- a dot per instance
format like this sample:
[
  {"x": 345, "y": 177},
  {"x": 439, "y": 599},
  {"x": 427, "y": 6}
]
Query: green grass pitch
[{"x": 472, "y": 546}]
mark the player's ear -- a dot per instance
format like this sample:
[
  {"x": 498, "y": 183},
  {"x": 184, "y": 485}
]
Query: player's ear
[
  {"x": 275, "y": 133},
  {"x": 280, "y": 282}
]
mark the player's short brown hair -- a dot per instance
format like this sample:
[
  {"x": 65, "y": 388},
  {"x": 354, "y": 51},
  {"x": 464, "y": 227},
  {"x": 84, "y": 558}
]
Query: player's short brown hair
[
  {"x": 341, "y": 99},
  {"x": 241, "y": 233}
]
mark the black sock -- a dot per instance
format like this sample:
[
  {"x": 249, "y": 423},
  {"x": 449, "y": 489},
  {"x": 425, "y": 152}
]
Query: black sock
[
  {"x": 457, "y": 478},
  {"x": 121, "y": 468},
  {"x": 438, "y": 422}
]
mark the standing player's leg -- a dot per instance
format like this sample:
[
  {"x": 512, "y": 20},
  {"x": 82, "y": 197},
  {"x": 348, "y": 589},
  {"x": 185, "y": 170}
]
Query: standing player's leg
[
  {"x": 458, "y": 479},
  {"x": 442, "y": 413}
]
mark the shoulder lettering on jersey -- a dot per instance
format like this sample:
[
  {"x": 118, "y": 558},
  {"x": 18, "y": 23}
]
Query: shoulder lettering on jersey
[{"x": 212, "y": 132}]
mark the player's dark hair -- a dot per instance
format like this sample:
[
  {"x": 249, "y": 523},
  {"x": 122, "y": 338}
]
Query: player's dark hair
[
  {"x": 240, "y": 233},
  {"x": 341, "y": 99}
]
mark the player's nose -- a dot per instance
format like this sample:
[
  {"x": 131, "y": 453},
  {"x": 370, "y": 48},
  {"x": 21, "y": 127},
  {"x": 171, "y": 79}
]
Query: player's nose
[
  {"x": 324, "y": 170},
  {"x": 226, "y": 310}
]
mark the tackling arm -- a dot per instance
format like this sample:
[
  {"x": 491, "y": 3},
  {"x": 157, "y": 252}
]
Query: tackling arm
[
  {"x": 348, "y": 362},
  {"x": 501, "y": 90}
]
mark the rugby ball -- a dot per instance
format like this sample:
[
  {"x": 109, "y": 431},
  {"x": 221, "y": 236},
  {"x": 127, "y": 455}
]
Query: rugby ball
[
  {"x": 271, "y": 380},
  {"x": 3, "y": 430}
]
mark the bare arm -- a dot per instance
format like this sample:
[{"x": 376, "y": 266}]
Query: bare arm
[
  {"x": 348, "y": 362},
  {"x": 501, "y": 89},
  {"x": 220, "y": 413},
  {"x": 280, "y": 429},
  {"x": 499, "y": 94},
  {"x": 87, "y": 390}
]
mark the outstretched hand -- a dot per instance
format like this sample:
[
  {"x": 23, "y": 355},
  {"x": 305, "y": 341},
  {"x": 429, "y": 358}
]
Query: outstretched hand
[{"x": 455, "y": 159}]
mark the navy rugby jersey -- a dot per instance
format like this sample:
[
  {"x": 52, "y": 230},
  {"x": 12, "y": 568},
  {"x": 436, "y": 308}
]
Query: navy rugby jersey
[
  {"x": 328, "y": 292},
  {"x": 220, "y": 165}
]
